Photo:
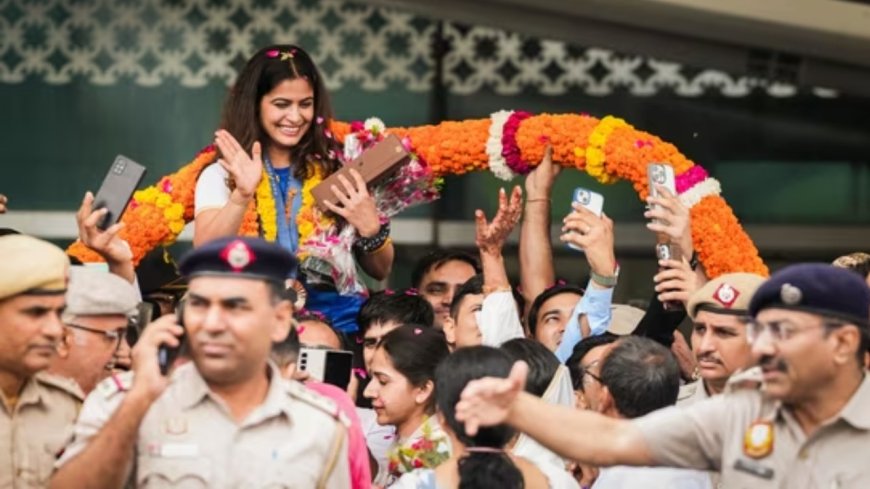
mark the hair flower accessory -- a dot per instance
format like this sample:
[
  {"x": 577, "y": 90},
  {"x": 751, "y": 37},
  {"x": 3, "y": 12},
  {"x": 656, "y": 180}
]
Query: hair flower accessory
[{"x": 283, "y": 55}]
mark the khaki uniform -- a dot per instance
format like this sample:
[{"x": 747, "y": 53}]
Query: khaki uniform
[
  {"x": 692, "y": 393},
  {"x": 295, "y": 439},
  {"x": 34, "y": 433},
  {"x": 709, "y": 435}
]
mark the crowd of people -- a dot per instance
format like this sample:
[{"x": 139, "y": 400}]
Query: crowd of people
[{"x": 249, "y": 373}]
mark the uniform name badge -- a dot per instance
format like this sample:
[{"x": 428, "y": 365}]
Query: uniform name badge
[{"x": 758, "y": 440}]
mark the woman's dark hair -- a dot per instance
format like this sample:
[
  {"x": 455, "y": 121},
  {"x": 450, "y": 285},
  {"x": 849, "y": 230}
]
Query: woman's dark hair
[
  {"x": 477, "y": 469},
  {"x": 542, "y": 363},
  {"x": 543, "y": 297},
  {"x": 400, "y": 307},
  {"x": 261, "y": 74},
  {"x": 415, "y": 351}
]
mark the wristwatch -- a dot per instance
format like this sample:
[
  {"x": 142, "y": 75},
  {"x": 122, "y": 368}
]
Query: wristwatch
[{"x": 605, "y": 281}]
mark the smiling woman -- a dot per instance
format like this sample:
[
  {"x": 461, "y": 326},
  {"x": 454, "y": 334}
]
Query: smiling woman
[{"x": 273, "y": 147}]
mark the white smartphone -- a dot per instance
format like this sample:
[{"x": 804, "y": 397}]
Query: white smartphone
[
  {"x": 324, "y": 365},
  {"x": 662, "y": 175},
  {"x": 591, "y": 201}
]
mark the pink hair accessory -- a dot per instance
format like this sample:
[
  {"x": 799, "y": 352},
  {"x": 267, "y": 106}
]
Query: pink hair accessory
[
  {"x": 418, "y": 331},
  {"x": 319, "y": 120},
  {"x": 360, "y": 372},
  {"x": 412, "y": 291}
]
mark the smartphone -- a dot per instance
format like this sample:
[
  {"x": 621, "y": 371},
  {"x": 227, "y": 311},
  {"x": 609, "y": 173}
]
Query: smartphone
[
  {"x": 122, "y": 179},
  {"x": 167, "y": 355},
  {"x": 328, "y": 366},
  {"x": 662, "y": 175},
  {"x": 592, "y": 201}
]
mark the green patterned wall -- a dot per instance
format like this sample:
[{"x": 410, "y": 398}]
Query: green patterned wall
[{"x": 83, "y": 80}]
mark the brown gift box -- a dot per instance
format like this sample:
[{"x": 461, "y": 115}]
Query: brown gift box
[{"x": 374, "y": 164}]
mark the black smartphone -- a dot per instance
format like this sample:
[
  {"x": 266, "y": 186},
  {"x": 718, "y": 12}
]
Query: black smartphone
[
  {"x": 328, "y": 366},
  {"x": 166, "y": 355},
  {"x": 121, "y": 181}
]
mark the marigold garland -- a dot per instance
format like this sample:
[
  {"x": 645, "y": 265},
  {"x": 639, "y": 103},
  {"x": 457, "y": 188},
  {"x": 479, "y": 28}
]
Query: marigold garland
[{"x": 608, "y": 149}]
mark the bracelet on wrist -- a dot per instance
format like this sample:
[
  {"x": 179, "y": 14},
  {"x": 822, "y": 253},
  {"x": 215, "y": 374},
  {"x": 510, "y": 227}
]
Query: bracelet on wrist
[
  {"x": 375, "y": 243},
  {"x": 603, "y": 280}
]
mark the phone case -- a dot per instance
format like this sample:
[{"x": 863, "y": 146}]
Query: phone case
[
  {"x": 118, "y": 186},
  {"x": 374, "y": 164},
  {"x": 593, "y": 201},
  {"x": 661, "y": 174}
]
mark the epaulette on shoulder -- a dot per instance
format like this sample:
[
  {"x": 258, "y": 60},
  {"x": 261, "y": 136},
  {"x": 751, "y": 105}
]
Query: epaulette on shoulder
[
  {"x": 115, "y": 383},
  {"x": 61, "y": 383},
  {"x": 299, "y": 392},
  {"x": 750, "y": 379}
]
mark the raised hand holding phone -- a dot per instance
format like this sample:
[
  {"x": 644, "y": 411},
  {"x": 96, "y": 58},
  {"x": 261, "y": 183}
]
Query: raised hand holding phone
[{"x": 662, "y": 185}]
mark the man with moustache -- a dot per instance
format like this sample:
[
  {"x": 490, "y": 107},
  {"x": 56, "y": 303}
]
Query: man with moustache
[
  {"x": 226, "y": 418},
  {"x": 38, "y": 410},
  {"x": 719, "y": 312},
  {"x": 807, "y": 426}
]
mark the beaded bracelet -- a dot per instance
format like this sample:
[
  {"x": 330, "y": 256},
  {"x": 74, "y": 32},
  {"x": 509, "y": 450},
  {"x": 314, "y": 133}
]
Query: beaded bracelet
[{"x": 376, "y": 242}]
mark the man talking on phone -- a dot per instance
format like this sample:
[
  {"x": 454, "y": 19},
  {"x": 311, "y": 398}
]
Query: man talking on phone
[{"x": 225, "y": 419}]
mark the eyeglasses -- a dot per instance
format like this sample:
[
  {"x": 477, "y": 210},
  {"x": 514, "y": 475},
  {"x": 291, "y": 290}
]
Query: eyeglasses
[
  {"x": 585, "y": 373},
  {"x": 113, "y": 336},
  {"x": 780, "y": 330}
]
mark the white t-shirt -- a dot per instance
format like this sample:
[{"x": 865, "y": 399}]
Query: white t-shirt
[
  {"x": 499, "y": 319},
  {"x": 211, "y": 189},
  {"x": 379, "y": 439}
]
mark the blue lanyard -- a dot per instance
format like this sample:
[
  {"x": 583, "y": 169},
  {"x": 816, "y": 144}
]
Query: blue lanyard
[{"x": 281, "y": 184}]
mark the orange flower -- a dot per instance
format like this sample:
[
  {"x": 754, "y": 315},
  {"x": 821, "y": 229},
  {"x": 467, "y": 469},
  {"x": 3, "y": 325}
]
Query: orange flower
[{"x": 608, "y": 149}]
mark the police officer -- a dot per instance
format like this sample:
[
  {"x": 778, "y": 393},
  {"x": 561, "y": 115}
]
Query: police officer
[
  {"x": 227, "y": 418},
  {"x": 99, "y": 308},
  {"x": 38, "y": 410},
  {"x": 807, "y": 426},
  {"x": 719, "y": 311}
]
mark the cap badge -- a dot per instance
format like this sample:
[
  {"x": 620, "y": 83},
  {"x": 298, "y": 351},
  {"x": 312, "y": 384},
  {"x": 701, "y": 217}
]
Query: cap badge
[
  {"x": 726, "y": 295},
  {"x": 238, "y": 255},
  {"x": 758, "y": 439},
  {"x": 790, "y": 295}
]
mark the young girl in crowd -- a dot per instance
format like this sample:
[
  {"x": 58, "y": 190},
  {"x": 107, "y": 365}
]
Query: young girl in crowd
[
  {"x": 275, "y": 126},
  {"x": 482, "y": 460},
  {"x": 402, "y": 393}
]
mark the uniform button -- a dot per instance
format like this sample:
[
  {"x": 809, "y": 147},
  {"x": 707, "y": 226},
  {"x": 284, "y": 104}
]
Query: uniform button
[{"x": 804, "y": 454}]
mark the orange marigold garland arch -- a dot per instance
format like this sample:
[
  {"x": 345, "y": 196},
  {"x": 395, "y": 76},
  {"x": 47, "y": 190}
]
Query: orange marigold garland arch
[{"x": 508, "y": 143}]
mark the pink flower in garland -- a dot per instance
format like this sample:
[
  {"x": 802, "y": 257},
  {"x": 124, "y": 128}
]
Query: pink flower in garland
[
  {"x": 510, "y": 148},
  {"x": 273, "y": 53},
  {"x": 690, "y": 178}
]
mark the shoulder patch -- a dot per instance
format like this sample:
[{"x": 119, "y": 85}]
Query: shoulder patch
[
  {"x": 321, "y": 403},
  {"x": 64, "y": 384},
  {"x": 115, "y": 383},
  {"x": 750, "y": 379}
]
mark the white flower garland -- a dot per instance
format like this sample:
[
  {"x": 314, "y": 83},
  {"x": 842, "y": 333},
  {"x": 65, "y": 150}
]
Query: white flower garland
[
  {"x": 705, "y": 188},
  {"x": 497, "y": 164}
]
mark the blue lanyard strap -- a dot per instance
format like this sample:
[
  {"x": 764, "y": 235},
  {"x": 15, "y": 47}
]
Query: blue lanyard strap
[{"x": 287, "y": 233}]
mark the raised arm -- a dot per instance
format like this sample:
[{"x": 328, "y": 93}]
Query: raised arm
[
  {"x": 102, "y": 453},
  {"x": 107, "y": 244},
  {"x": 536, "y": 250},
  {"x": 572, "y": 434},
  {"x": 246, "y": 171},
  {"x": 499, "y": 318}
]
